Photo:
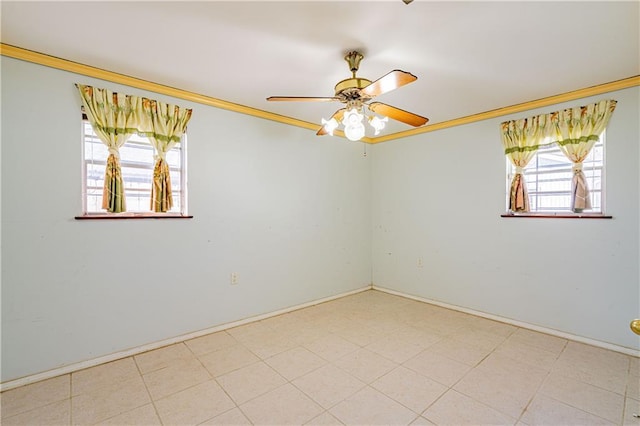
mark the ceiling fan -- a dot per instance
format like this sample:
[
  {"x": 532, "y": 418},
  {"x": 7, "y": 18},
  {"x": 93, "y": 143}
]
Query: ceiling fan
[{"x": 357, "y": 94}]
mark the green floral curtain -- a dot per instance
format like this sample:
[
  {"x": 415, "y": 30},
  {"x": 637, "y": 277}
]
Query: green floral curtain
[
  {"x": 164, "y": 124},
  {"x": 576, "y": 130},
  {"x": 114, "y": 120},
  {"x": 521, "y": 139}
]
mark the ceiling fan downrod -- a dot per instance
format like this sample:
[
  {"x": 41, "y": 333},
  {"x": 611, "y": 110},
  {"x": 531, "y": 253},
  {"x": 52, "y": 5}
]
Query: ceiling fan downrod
[{"x": 353, "y": 59}]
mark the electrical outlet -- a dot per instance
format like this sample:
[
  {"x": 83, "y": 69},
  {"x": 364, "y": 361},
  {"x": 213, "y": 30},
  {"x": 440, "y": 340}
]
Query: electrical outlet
[
  {"x": 234, "y": 278},
  {"x": 420, "y": 262}
]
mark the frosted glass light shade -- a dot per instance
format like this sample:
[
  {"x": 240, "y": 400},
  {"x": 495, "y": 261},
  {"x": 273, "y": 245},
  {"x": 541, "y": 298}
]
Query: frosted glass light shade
[
  {"x": 378, "y": 123},
  {"x": 354, "y": 133},
  {"x": 353, "y": 127},
  {"x": 330, "y": 125}
]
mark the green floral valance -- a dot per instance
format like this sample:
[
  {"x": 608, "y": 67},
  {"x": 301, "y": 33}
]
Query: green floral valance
[{"x": 582, "y": 124}]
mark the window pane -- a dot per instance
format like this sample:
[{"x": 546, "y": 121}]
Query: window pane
[
  {"x": 137, "y": 162},
  {"x": 173, "y": 157},
  {"x": 549, "y": 177}
]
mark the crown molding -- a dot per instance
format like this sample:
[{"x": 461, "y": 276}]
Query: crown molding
[
  {"x": 525, "y": 106},
  {"x": 89, "y": 71}
]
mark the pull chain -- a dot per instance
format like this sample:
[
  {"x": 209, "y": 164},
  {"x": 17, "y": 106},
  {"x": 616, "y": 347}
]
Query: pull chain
[{"x": 365, "y": 150}]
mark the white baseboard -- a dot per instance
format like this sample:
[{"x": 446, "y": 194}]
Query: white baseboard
[
  {"x": 11, "y": 384},
  {"x": 562, "y": 334}
]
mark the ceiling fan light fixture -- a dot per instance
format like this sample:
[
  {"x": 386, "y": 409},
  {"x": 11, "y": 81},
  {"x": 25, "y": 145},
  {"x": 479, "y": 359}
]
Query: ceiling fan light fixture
[
  {"x": 378, "y": 123},
  {"x": 330, "y": 125},
  {"x": 353, "y": 127}
]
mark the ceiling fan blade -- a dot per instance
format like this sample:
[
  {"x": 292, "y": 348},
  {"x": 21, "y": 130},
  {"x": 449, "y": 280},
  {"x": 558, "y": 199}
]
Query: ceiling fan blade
[
  {"x": 337, "y": 115},
  {"x": 398, "y": 114},
  {"x": 301, "y": 98},
  {"x": 388, "y": 82}
]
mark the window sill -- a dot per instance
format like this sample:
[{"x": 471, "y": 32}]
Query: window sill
[
  {"x": 118, "y": 216},
  {"x": 558, "y": 215}
]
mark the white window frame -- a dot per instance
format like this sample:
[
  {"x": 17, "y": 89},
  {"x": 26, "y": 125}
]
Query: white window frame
[
  {"x": 533, "y": 170},
  {"x": 180, "y": 148}
]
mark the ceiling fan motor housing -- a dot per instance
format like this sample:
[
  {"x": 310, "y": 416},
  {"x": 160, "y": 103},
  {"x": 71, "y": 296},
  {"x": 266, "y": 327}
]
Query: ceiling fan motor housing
[{"x": 350, "y": 88}]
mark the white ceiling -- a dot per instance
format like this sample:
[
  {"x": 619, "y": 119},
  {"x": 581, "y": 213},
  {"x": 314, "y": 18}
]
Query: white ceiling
[{"x": 469, "y": 57}]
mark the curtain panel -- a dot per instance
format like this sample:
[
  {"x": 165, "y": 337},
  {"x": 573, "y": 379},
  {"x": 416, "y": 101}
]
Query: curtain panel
[
  {"x": 521, "y": 139},
  {"x": 576, "y": 131},
  {"x": 114, "y": 119},
  {"x": 164, "y": 124}
]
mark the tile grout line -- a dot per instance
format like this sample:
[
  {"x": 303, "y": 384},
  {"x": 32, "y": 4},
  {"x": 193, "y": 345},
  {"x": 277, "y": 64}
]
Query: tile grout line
[
  {"x": 70, "y": 399},
  {"x": 260, "y": 359},
  {"x": 212, "y": 377},
  {"x": 37, "y": 408},
  {"x": 596, "y": 385},
  {"x": 472, "y": 369},
  {"x": 153, "y": 402},
  {"x": 290, "y": 382},
  {"x": 542, "y": 382},
  {"x": 449, "y": 388},
  {"x": 626, "y": 393},
  {"x": 326, "y": 410},
  {"x": 572, "y": 405}
]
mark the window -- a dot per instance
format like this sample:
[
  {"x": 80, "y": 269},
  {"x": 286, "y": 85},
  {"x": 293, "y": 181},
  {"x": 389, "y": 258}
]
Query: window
[
  {"x": 549, "y": 174},
  {"x": 137, "y": 163}
]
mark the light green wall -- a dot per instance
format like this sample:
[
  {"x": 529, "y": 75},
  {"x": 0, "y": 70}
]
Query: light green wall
[
  {"x": 286, "y": 211},
  {"x": 438, "y": 196}
]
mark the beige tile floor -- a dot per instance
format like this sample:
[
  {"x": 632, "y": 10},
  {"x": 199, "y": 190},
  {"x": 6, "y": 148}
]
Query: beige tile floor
[{"x": 370, "y": 358}]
